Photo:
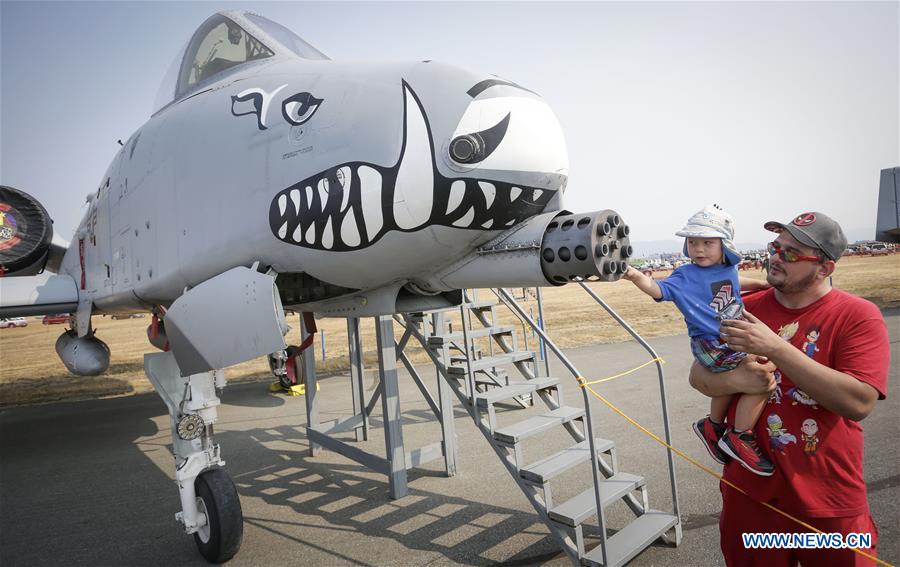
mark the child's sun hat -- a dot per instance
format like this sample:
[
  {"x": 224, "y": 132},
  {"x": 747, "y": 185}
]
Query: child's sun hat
[{"x": 712, "y": 222}]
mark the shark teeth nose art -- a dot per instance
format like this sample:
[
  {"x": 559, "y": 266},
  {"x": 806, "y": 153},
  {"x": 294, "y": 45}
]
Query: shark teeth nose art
[{"x": 352, "y": 205}]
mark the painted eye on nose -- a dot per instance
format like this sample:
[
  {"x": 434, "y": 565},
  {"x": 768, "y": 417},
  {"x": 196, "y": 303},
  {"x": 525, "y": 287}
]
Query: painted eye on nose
[
  {"x": 299, "y": 108},
  {"x": 476, "y": 146}
]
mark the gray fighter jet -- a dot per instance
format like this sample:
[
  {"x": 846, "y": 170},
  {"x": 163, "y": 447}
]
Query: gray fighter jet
[{"x": 270, "y": 177}]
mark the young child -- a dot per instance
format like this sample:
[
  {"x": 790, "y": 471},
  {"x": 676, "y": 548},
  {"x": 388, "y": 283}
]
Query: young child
[{"x": 706, "y": 291}]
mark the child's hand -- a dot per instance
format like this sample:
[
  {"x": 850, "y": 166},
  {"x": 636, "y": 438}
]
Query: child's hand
[
  {"x": 631, "y": 274},
  {"x": 644, "y": 283}
]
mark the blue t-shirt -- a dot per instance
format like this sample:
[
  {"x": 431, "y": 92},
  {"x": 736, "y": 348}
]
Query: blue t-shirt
[{"x": 704, "y": 296}]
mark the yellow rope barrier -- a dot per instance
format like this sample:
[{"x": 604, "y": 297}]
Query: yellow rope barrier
[
  {"x": 627, "y": 372},
  {"x": 582, "y": 382}
]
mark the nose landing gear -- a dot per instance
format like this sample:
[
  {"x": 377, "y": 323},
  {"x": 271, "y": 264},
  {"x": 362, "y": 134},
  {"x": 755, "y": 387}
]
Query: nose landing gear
[{"x": 210, "y": 506}]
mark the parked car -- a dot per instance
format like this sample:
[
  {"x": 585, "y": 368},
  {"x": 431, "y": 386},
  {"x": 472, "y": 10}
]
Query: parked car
[
  {"x": 118, "y": 316},
  {"x": 13, "y": 322},
  {"x": 878, "y": 248},
  {"x": 58, "y": 319}
]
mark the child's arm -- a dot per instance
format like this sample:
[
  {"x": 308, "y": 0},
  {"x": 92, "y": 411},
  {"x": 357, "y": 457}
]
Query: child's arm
[
  {"x": 646, "y": 284},
  {"x": 750, "y": 284}
]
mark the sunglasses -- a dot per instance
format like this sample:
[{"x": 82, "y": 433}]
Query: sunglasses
[{"x": 789, "y": 255}]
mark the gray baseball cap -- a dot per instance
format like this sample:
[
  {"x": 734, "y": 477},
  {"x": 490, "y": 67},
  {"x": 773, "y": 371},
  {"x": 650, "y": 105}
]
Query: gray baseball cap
[{"x": 816, "y": 230}]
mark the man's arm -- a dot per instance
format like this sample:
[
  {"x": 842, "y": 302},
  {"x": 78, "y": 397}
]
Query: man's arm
[
  {"x": 753, "y": 376},
  {"x": 835, "y": 391},
  {"x": 750, "y": 284},
  {"x": 646, "y": 284}
]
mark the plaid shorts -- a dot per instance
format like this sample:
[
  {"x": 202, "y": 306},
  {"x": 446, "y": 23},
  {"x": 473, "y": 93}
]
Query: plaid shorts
[{"x": 714, "y": 355}]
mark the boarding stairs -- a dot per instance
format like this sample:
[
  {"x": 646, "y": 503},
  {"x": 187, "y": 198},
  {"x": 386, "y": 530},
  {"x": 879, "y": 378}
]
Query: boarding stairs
[{"x": 499, "y": 374}]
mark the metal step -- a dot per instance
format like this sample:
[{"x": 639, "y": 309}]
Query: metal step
[
  {"x": 542, "y": 471},
  {"x": 538, "y": 424},
  {"x": 441, "y": 340},
  {"x": 491, "y": 361},
  {"x": 575, "y": 511},
  {"x": 515, "y": 390},
  {"x": 482, "y": 305},
  {"x": 632, "y": 539}
]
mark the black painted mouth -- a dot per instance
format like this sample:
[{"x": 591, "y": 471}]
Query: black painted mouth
[{"x": 352, "y": 205}]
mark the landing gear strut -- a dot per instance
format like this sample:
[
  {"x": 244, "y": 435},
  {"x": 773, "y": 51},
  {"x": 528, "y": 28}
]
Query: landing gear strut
[{"x": 210, "y": 507}]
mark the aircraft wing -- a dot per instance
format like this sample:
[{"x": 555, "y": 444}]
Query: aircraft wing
[{"x": 44, "y": 294}]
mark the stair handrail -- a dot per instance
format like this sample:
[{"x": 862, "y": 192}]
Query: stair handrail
[
  {"x": 510, "y": 302},
  {"x": 662, "y": 389},
  {"x": 549, "y": 344}
]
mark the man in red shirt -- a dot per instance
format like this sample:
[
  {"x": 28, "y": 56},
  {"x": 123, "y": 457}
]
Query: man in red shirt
[{"x": 831, "y": 350}]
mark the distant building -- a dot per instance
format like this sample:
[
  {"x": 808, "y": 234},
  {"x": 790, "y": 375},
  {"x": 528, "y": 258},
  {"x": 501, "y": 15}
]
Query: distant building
[{"x": 887, "y": 223}]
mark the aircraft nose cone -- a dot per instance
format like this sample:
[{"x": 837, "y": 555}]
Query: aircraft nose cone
[{"x": 514, "y": 131}]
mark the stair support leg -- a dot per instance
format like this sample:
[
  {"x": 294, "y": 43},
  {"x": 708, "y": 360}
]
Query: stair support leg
[
  {"x": 390, "y": 404},
  {"x": 356, "y": 377}
]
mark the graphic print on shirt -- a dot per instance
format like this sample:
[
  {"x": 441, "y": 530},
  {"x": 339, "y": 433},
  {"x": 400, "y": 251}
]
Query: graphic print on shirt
[
  {"x": 786, "y": 332},
  {"x": 798, "y": 396},
  {"x": 724, "y": 302},
  {"x": 779, "y": 437},
  {"x": 812, "y": 336},
  {"x": 808, "y": 430}
]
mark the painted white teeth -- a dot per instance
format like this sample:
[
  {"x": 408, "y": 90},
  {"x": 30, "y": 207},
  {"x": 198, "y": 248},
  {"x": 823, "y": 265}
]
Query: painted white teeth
[
  {"x": 489, "y": 193},
  {"x": 512, "y": 222},
  {"x": 514, "y": 194},
  {"x": 466, "y": 220},
  {"x": 309, "y": 196},
  {"x": 412, "y": 205},
  {"x": 311, "y": 234},
  {"x": 327, "y": 235},
  {"x": 323, "y": 192},
  {"x": 537, "y": 194},
  {"x": 282, "y": 232},
  {"x": 344, "y": 176},
  {"x": 370, "y": 189},
  {"x": 488, "y": 224},
  {"x": 350, "y": 230},
  {"x": 295, "y": 197},
  {"x": 282, "y": 204},
  {"x": 298, "y": 233},
  {"x": 457, "y": 192}
]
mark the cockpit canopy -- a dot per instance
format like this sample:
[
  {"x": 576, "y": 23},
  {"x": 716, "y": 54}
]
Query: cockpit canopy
[{"x": 223, "y": 42}]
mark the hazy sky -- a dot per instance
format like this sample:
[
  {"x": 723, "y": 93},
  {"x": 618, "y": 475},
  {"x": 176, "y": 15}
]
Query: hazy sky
[{"x": 769, "y": 109}]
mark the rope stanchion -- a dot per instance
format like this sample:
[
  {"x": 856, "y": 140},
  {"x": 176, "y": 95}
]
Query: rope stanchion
[{"x": 583, "y": 383}]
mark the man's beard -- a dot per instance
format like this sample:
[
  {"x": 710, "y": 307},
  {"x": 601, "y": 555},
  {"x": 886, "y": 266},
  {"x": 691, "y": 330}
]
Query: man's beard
[{"x": 785, "y": 286}]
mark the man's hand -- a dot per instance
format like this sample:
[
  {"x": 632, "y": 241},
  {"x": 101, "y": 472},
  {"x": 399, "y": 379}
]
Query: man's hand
[
  {"x": 751, "y": 335},
  {"x": 756, "y": 375}
]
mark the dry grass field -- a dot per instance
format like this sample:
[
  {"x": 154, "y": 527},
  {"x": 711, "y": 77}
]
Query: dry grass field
[{"x": 30, "y": 371}]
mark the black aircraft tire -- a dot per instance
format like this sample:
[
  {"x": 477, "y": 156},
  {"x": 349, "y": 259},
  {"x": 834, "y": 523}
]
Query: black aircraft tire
[
  {"x": 224, "y": 516},
  {"x": 26, "y": 229}
]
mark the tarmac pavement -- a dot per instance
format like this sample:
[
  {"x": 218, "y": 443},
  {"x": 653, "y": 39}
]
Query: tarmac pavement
[{"x": 90, "y": 483}]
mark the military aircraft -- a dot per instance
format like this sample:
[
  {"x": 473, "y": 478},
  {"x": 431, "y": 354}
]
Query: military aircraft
[{"x": 270, "y": 177}]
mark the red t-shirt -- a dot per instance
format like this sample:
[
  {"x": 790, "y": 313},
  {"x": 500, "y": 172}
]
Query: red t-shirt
[{"x": 818, "y": 455}]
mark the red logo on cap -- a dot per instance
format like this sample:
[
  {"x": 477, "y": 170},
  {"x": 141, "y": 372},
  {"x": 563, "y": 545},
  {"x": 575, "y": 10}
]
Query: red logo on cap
[{"x": 805, "y": 219}]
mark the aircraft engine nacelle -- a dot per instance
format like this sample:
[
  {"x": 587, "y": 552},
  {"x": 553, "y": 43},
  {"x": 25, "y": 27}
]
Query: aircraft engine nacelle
[
  {"x": 83, "y": 356},
  {"x": 553, "y": 248},
  {"x": 25, "y": 233}
]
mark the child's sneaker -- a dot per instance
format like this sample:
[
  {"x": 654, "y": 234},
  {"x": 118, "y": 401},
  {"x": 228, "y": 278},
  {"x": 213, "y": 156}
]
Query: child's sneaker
[
  {"x": 710, "y": 433},
  {"x": 742, "y": 447}
]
